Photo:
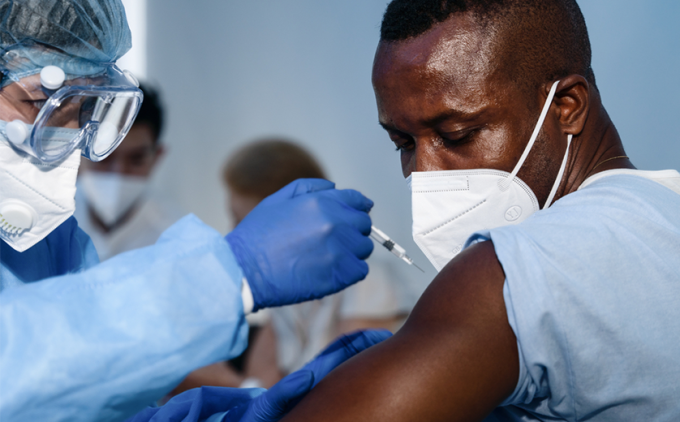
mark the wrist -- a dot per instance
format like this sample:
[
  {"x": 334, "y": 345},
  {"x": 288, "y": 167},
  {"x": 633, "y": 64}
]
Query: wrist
[
  {"x": 252, "y": 300},
  {"x": 251, "y": 382},
  {"x": 247, "y": 297}
]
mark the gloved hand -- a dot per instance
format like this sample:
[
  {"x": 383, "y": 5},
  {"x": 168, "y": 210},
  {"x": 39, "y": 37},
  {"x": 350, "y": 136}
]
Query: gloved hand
[
  {"x": 304, "y": 242},
  {"x": 219, "y": 404},
  {"x": 281, "y": 398}
]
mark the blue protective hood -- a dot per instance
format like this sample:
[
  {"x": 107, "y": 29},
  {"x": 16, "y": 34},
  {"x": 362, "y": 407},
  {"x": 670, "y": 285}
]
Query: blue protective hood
[{"x": 79, "y": 36}]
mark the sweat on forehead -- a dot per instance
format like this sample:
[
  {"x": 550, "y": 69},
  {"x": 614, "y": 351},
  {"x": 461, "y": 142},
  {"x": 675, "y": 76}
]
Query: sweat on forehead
[
  {"x": 535, "y": 41},
  {"x": 457, "y": 49}
]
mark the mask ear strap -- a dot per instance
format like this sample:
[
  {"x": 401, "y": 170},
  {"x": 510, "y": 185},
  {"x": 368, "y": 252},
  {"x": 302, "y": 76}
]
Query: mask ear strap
[
  {"x": 559, "y": 174},
  {"x": 534, "y": 135}
]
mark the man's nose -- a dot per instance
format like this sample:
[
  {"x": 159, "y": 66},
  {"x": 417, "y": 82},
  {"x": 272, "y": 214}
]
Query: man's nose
[
  {"x": 117, "y": 166},
  {"x": 111, "y": 165},
  {"x": 428, "y": 157}
]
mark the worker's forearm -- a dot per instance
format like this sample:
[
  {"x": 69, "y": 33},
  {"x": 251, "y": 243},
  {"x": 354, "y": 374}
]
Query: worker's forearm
[{"x": 106, "y": 342}]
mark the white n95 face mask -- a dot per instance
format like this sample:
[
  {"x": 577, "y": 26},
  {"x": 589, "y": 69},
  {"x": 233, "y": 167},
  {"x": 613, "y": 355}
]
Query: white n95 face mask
[
  {"x": 35, "y": 198},
  {"x": 111, "y": 195},
  {"x": 449, "y": 206}
]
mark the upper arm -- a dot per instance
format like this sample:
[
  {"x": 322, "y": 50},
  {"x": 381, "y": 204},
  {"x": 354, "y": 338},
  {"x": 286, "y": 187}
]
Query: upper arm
[
  {"x": 350, "y": 325},
  {"x": 455, "y": 359}
]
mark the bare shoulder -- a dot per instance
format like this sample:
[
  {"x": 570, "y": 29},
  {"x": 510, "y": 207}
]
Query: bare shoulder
[{"x": 455, "y": 359}]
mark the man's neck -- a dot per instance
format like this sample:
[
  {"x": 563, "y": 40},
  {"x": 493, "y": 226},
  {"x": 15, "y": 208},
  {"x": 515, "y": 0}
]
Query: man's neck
[{"x": 598, "y": 148}]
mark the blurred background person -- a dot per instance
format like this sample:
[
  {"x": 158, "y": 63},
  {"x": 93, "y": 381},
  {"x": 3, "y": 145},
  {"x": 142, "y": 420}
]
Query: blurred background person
[
  {"x": 282, "y": 340},
  {"x": 294, "y": 334},
  {"x": 114, "y": 203}
]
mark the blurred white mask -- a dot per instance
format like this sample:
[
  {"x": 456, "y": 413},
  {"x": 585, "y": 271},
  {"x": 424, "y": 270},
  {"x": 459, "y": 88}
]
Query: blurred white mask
[
  {"x": 449, "y": 206},
  {"x": 111, "y": 195}
]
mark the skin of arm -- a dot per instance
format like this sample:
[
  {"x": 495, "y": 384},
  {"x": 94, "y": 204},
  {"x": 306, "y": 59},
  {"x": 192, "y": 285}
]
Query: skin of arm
[
  {"x": 355, "y": 324},
  {"x": 455, "y": 359},
  {"x": 262, "y": 360}
]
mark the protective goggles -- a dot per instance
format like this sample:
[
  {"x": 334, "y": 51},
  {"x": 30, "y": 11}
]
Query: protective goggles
[{"x": 91, "y": 113}]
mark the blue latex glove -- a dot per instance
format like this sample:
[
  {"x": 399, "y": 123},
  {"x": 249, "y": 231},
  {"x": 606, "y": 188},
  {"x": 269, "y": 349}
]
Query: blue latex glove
[
  {"x": 281, "y": 398},
  {"x": 198, "y": 404},
  {"x": 304, "y": 242},
  {"x": 256, "y": 404}
]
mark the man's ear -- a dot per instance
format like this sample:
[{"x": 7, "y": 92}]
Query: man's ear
[{"x": 573, "y": 99}]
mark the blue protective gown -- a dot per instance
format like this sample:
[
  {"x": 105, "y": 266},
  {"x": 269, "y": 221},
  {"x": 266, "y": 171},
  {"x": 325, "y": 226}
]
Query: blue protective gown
[{"x": 85, "y": 342}]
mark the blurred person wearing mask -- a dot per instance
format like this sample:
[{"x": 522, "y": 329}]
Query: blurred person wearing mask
[
  {"x": 114, "y": 203},
  {"x": 294, "y": 334},
  {"x": 83, "y": 341}
]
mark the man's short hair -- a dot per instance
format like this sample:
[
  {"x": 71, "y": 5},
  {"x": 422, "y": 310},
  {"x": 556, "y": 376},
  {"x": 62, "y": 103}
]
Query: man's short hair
[
  {"x": 263, "y": 167},
  {"x": 151, "y": 111},
  {"x": 537, "y": 41}
]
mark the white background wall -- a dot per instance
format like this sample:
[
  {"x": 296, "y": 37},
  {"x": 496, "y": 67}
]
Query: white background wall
[
  {"x": 233, "y": 70},
  {"x": 136, "y": 59}
]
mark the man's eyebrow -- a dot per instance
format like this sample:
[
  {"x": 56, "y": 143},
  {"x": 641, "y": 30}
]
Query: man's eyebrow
[
  {"x": 451, "y": 114},
  {"x": 388, "y": 127},
  {"x": 438, "y": 119}
]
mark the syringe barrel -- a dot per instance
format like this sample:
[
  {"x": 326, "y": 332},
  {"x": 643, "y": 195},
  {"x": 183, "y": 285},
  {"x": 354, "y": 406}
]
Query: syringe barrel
[
  {"x": 398, "y": 251},
  {"x": 384, "y": 240},
  {"x": 379, "y": 236}
]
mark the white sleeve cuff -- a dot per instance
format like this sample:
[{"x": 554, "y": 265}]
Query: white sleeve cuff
[
  {"x": 251, "y": 382},
  {"x": 247, "y": 297}
]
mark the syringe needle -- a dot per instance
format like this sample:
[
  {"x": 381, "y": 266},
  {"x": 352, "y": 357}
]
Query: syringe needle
[
  {"x": 409, "y": 261},
  {"x": 389, "y": 244}
]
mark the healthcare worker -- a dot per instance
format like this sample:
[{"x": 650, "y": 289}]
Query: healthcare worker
[
  {"x": 80, "y": 341},
  {"x": 116, "y": 205}
]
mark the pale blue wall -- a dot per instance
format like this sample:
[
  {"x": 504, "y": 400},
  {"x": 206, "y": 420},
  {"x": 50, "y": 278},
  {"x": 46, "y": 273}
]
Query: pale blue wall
[
  {"x": 234, "y": 70},
  {"x": 636, "y": 58}
]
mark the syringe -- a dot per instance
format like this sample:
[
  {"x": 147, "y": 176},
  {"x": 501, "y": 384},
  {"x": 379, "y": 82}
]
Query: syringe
[{"x": 390, "y": 245}]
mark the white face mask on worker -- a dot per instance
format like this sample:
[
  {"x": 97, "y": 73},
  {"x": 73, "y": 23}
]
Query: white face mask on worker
[
  {"x": 112, "y": 195},
  {"x": 35, "y": 198},
  {"x": 449, "y": 206}
]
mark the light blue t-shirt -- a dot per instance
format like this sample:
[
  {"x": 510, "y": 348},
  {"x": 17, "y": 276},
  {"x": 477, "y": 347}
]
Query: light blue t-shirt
[{"x": 592, "y": 293}]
